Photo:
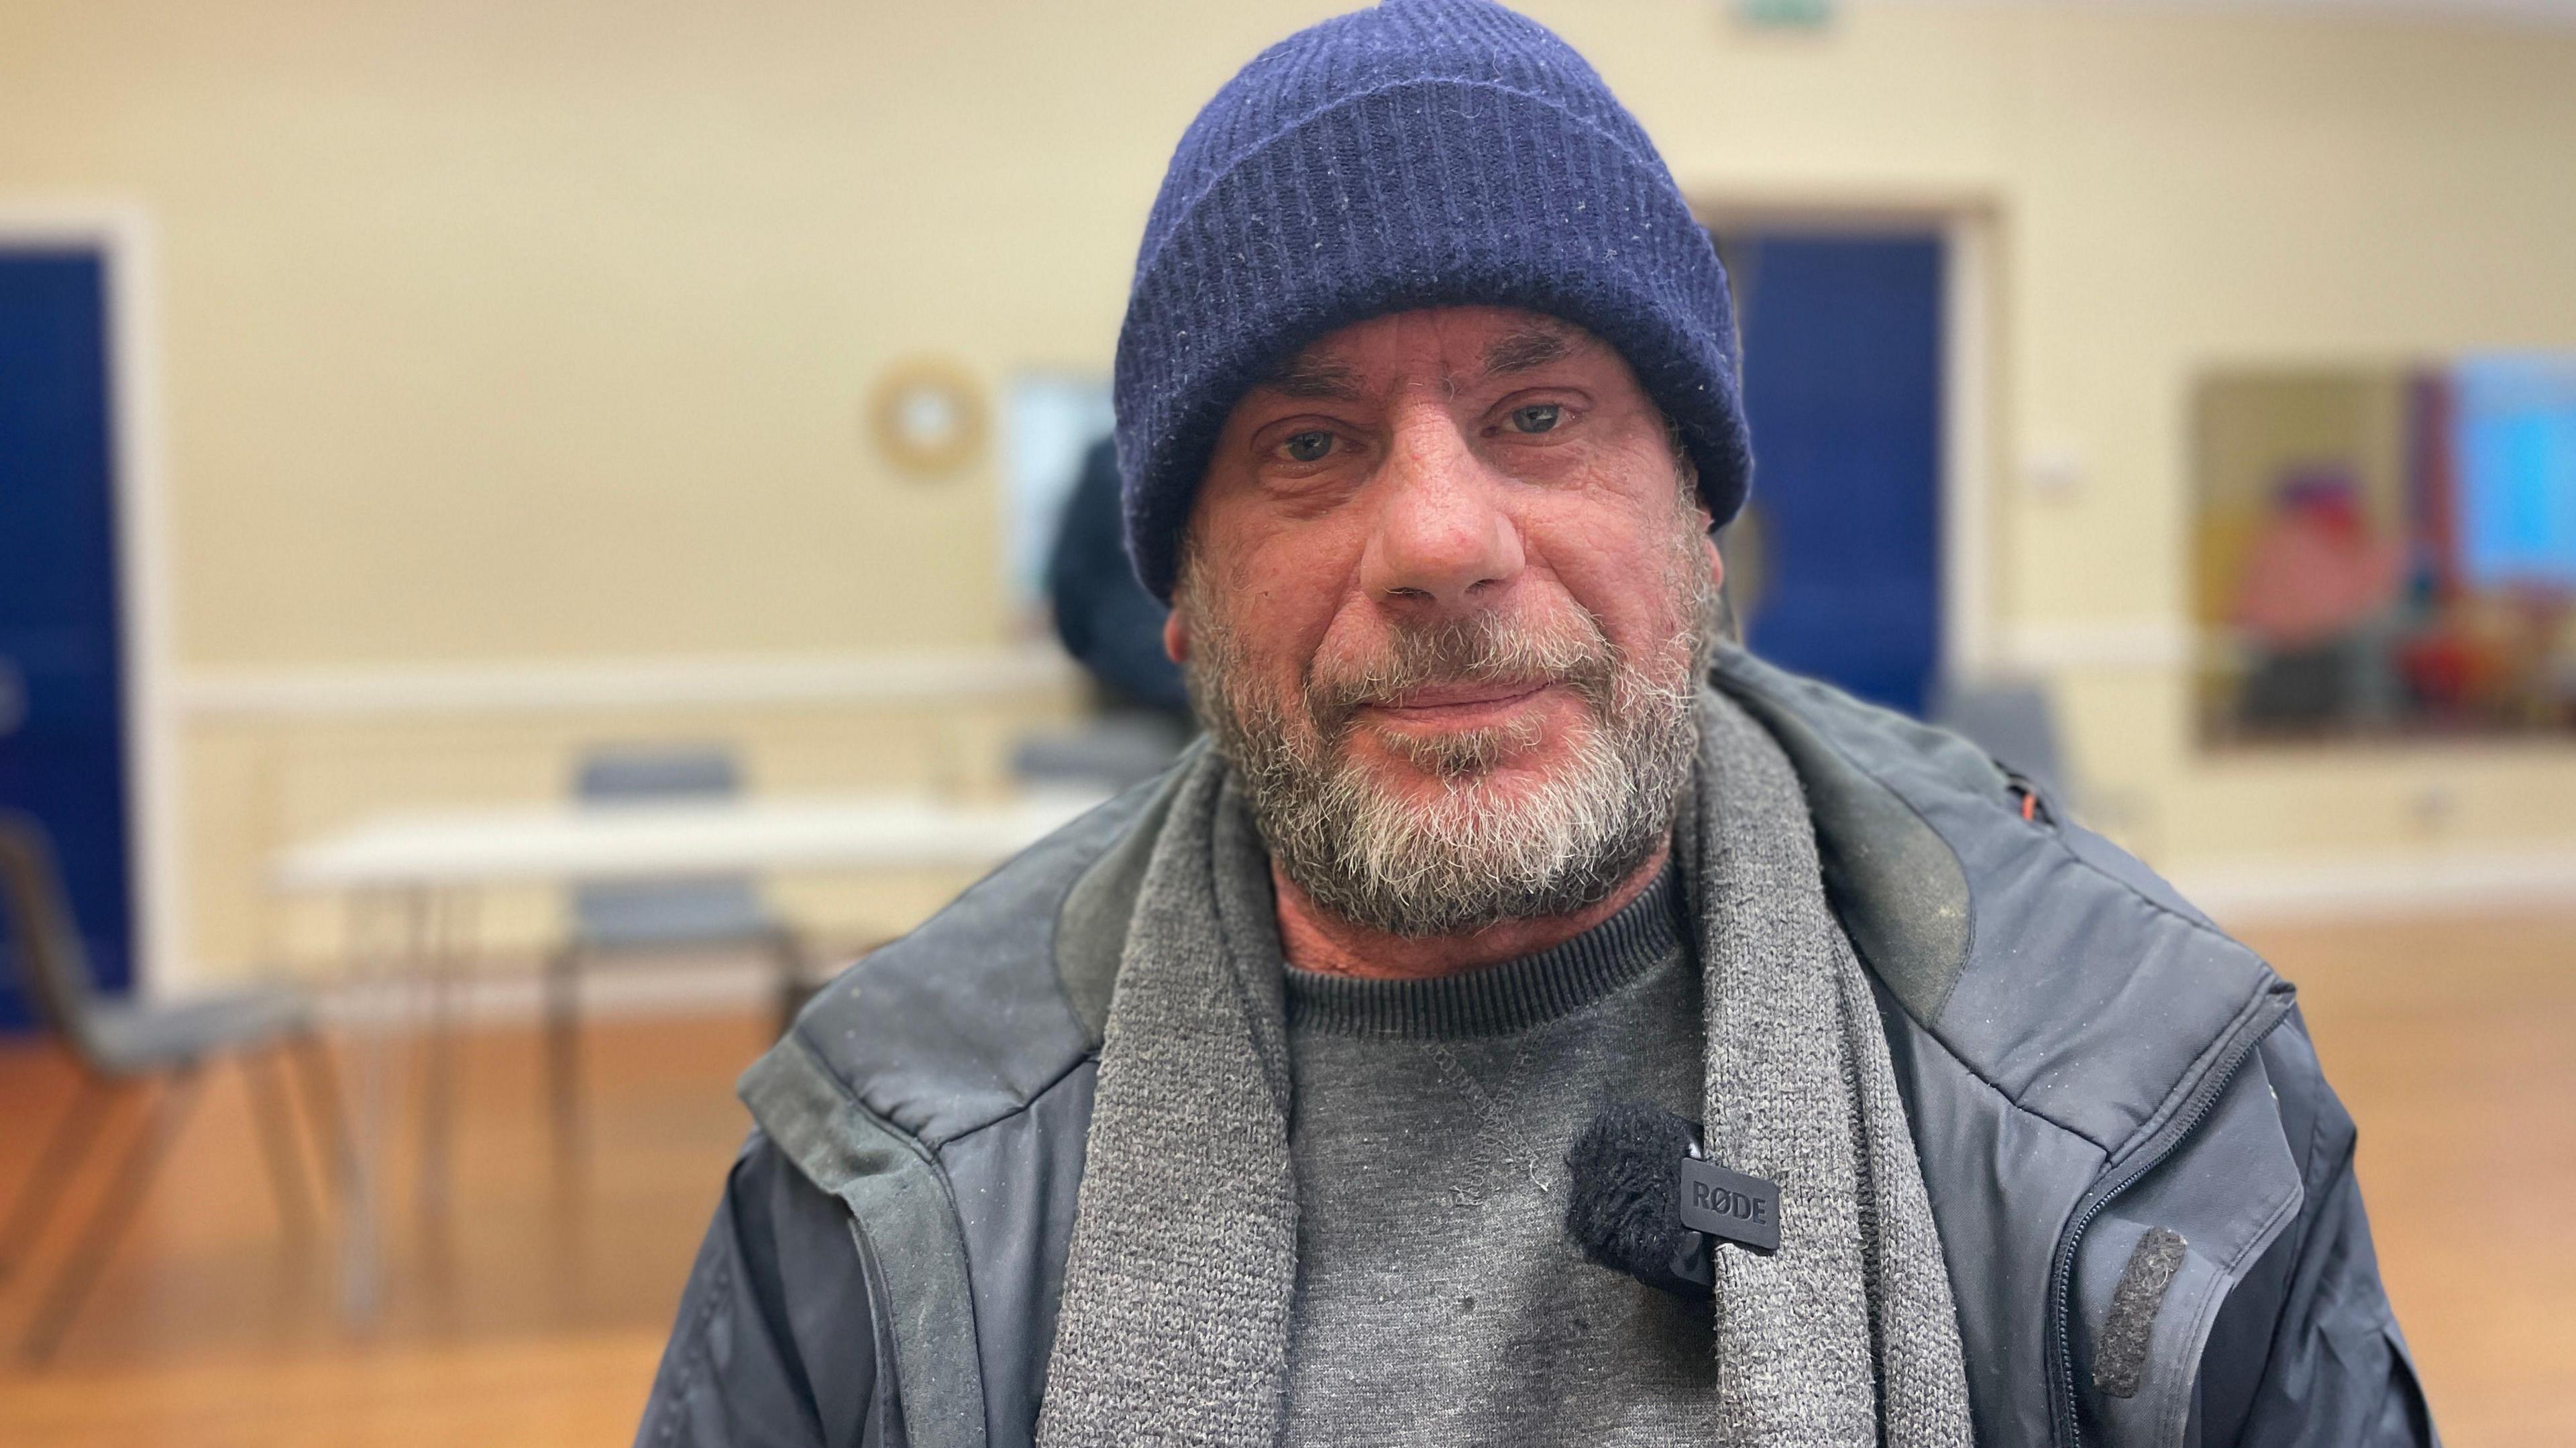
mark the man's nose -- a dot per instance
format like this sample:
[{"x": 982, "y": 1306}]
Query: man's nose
[{"x": 1442, "y": 539}]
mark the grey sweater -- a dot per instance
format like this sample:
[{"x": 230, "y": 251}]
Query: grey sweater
[{"x": 1438, "y": 1301}]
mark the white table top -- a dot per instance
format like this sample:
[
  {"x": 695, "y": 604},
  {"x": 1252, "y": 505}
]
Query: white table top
[{"x": 563, "y": 843}]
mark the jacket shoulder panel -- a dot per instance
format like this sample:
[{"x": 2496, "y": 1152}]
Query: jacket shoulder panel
[
  {"x": 905, "y": 1227},
  {"x": 1895, "y": 884},
  {"x": 2001, "y": 1182},
  {"x": 2056, "y": 968},
  {"x": 1017, "y": 1183}
]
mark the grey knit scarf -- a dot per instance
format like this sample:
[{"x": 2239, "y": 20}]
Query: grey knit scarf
[{"x": 1183, "y": 1266}]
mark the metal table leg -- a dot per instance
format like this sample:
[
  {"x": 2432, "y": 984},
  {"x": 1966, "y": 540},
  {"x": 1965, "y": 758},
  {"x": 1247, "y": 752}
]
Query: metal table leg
[{"x": 387, "y": 938}]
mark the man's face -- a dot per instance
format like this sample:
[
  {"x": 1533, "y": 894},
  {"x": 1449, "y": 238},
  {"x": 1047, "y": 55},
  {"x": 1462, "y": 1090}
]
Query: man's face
[{"x": 1444, "y": 603}]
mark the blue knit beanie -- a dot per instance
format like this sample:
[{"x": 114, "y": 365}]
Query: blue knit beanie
[{"x": 1422, "y": 153}]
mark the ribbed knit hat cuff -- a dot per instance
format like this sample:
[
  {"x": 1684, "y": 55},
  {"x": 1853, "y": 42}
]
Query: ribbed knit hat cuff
[{"x": 1494, "y": 197}]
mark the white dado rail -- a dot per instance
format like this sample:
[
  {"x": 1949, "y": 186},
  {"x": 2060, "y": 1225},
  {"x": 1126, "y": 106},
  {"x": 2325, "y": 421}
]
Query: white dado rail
[
  {"x": 539, "y": 686},
  {"x": 883, "y": 678},
  {"x": 2111, "y": 643}
]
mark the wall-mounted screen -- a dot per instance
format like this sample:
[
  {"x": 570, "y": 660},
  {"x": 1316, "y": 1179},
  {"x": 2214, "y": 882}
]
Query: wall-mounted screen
[
  {"x": 2387, "y": 552},
  {"x": 1050, "y": 420},
  {"x": 2514, "y": 449}
]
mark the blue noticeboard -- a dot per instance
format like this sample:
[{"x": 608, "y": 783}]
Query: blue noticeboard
[
  {"x": 2516, "y": 460},
  {"x": 1842, "y": 386},
  {"x": 62, "y": 690}
]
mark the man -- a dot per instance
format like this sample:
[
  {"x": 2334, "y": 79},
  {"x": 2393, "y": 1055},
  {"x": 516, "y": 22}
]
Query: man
[
  {"x": 1238, "y": 1112},
  {"x": 1103, "y": 616}
]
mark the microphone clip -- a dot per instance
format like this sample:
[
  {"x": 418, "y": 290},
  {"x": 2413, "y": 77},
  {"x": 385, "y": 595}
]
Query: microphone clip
[
  {"x": 1741, "y": 1209},
  {"x": 1647, "y": 1200}
]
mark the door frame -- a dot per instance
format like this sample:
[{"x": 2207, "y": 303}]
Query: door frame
[
  {"x": 121, "y": 235},
  {"x": 1971, "y": 386}
]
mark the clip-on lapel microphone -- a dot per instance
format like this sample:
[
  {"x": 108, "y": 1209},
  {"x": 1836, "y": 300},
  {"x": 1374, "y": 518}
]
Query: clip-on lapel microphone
[{"x": 1647, "y": 1201}]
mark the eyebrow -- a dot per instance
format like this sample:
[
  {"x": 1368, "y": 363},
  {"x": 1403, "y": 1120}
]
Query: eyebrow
[
  {"x": 1527, "y": 349},
  {"x": 1311, "y": 377},
  {"x": 1315, "y": 377}
]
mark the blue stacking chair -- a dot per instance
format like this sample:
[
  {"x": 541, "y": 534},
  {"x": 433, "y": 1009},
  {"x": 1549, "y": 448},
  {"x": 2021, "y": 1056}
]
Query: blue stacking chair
[
  {"x": 124, "y": 1046},
  {"x": 2015, "y": 723},
  {"x": 638, "y": 920}
]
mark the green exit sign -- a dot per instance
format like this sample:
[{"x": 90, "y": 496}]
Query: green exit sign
[{"x": 1787, "y": 14}]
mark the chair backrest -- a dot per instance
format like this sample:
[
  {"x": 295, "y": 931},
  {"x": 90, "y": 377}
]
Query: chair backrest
[
  {"x": 662, "y": 912},
  {"x": 44, "y": 940},
  {"x": 1110, "y": 753},
  {"x": 657, "y": 776},
  {"x": 2011, "y": 720}
]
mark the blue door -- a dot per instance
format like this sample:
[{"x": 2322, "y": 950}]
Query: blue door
[
  {"x": 1842, "y": 385},
  {"x": 61, "y": 688}
]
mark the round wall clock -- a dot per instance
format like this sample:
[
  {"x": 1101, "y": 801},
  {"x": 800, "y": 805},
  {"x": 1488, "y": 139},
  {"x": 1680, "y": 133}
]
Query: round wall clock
[{"x": 927, "y": 416}]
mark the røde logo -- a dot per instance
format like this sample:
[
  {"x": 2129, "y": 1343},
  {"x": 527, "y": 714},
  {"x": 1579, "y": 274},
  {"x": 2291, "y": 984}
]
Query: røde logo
[{"x": 1727, "y": 1203}]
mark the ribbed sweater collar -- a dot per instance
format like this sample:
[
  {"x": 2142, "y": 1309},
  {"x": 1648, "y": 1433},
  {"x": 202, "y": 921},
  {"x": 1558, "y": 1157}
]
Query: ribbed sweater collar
[{"x": 1497, "y": 1000}]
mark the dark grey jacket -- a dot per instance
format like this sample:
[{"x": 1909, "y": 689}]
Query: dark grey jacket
[{"x": 2084, "y": 1059}]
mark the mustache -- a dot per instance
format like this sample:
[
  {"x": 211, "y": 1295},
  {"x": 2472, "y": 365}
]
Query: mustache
[{"x": 1479, "y": 649}]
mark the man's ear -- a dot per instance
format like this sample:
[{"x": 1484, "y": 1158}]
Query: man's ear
[
  {"x": 1176, "y": 638},
  {"x": 1708, "y": 543}
]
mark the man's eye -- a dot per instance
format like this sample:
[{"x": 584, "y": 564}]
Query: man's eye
[
  {"x": 1537, "y": 417},
  {"x": 1308, "y": 447}
]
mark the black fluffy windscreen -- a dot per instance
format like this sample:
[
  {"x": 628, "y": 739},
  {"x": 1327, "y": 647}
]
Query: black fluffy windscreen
[{"x": 1625, "y": 1210}]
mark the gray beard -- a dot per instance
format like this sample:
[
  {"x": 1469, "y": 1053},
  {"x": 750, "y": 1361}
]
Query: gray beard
[{"x": 1481, "y": 852}]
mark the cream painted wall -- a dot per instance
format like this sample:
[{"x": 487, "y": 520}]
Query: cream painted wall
[
  {"x": 540, "y": 330},
  {"x": 526, "y": 332},
  {"x": 2177, "y": 188}
]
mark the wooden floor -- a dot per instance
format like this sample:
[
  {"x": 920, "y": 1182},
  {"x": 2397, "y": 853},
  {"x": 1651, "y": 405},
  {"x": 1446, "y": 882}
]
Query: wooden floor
[
  {"x": 533, "y": 1311},
  {"x": 2454, "y": 1046}
]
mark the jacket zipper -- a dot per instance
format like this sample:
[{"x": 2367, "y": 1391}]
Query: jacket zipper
[{"x": 2062, "y": 1279}]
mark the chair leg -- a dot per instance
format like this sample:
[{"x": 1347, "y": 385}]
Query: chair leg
[
  {"x": 322, "y": 1109},
  {"x": 792, "y": 990},
  {"x": 115, "y": 1212},
  {"x": 438, "y": 1091},
  {"x": 563, "y": 1049},
  {"x": 52, "y": 1172},
  {"x": 295, "y": 1214}
]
